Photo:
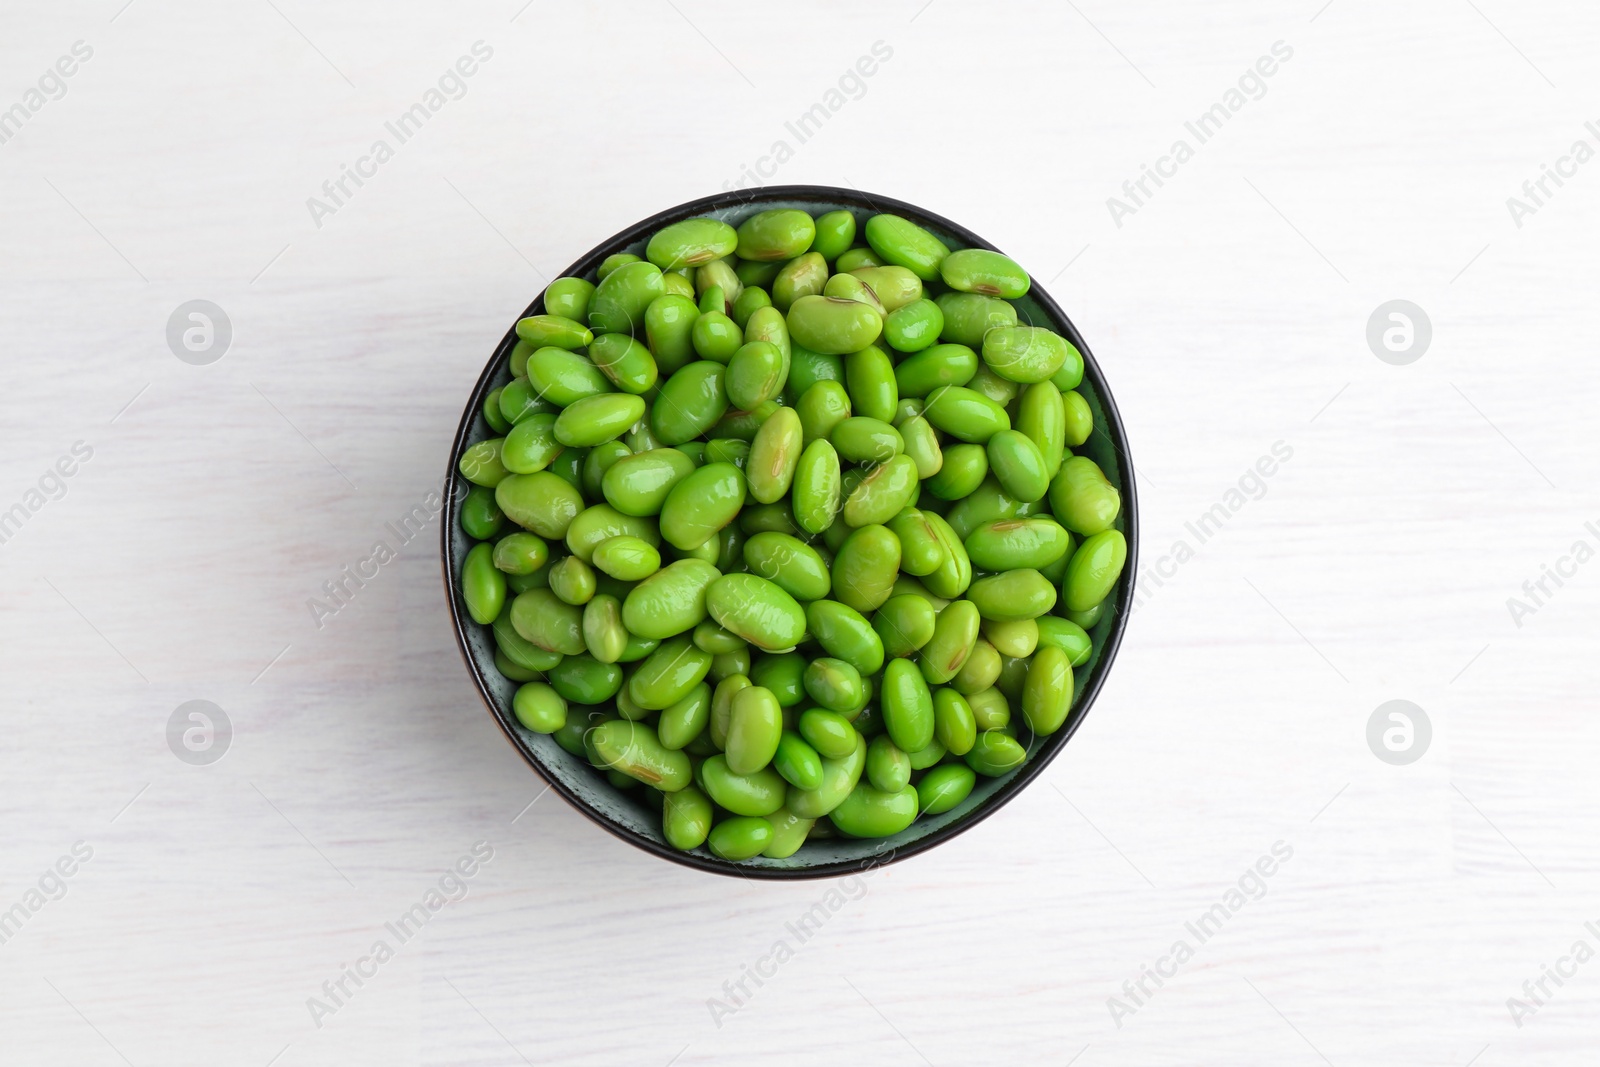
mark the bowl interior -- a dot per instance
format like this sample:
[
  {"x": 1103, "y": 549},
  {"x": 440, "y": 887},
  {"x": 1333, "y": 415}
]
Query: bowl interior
[{"x": 626, "y": 814}]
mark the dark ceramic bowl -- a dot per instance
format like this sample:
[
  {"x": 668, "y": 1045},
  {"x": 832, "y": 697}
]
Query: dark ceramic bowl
[{"x": 626, "y": 815}]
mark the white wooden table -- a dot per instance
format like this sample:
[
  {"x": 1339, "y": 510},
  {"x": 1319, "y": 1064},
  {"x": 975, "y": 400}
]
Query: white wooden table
[{"x": 1229, "y": 310}]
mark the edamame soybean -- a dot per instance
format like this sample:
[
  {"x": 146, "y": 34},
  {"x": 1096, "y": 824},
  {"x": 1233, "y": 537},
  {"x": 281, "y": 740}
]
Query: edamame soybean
[{"x": 723, "y": 579}]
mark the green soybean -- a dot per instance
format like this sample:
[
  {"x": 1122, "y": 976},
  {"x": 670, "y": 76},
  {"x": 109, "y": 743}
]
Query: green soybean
[
  {"x": 539, "y": 708},
  {"x": 807, "y": 368},
  {"x": 627, "y": 363},
  {"x": 994, "y": 754},
  {"x": 1024, "y": 353},
  {"x": 669, "y": 329},
  {"x": 914, "y": 326},
  {"x": 599, "y": 523},
  {"x": 881, "y": 495},
  {"x": 945, "y": 364},
  {"x": 1018, "y": 594},
  {"x": 789, "y": 832},
  {"x": 1094, "y": 570},
  {"x": 598, "y": 418},
  {"x": 870, "y": 378},
  {"x": 907, "y": 705},
  {"x": 782, "y": 673},
  {"x": 755, "y": 726},
  {"x": 683, "y": 721},
  {"x": 860, "y": 439},
  {"x": 978, "y": 270},
  {"x": 954, "y": 575},
  {"x": 690, "y": 243},
  {"x": 542, "y": 502},
  {"x": 892, "y": 287},
  {"x": 1067, "y": 636},
  {"x": 520, "y": 553},
  {"x": 634, "y": 749},
  {"x": 965, "y": 414},
  {"x": 627, "y": 558},
  {"x": 604, "y": 635},
  {"x": 834, "y": 684},
  {"x": 979, "y": 672},
  {"x": 789, "y": 563},
  {"x": 569, "y": 298},
  {"x": 483, "y": 587},
  {"x": 854, "y": 258},
  {"x": 953, "y": 724},
  {"x": 686, "y": 818},
  {"x": 831, "y": 326},
  {"x": 962, "y": 470},
  {"x": 955, "y": 633},
  {"x": 481, "y": 517},
  {"x": 583, "y": 679},
  {"x": 755, "y": 374},
  {"x": 572, "y": 580},
  {"x": 480, "y": 464},
  {"x": 554, "y": 330},
  {"x": 740, "y": 838},
  {"x": 776, "y": 234},
  {"x": 1047, "y": 693},
  {"x": 619, "y": 301},
  {"x": 902, "y": 242},
  {"x": 668, "y": 674},
  {"x": 1018, "y": 465},
  {"x": 1079, "y": 420},
  {"x": 803, "y": 276},
  {"x": 701, "y": 504},
  {"x": 1012, "y": 544},
  {"x": 750, "y": 301},
  {"x": 839, "y": 776},
  {"x": 846, "y": 634},
  {"x": 943, "y": 788},
  {"x": 904, "y": 623},
  {"x": 850, "y": 287},
  {"x": 638, "y": 484},
  {"x": 1081, "y": 497},
  {"x": 871, "y": 812},
  {"x": 835, "y": 232},
  {"x": 751, "y": 795},
  {"x": 670, "y": 601},
  {"x": 689, "y": 403},
  {"x": 888, "y": 768},
  {"x": 829, "y": 733},
  {"x": 821, "y": 408},
  {"x": 757, "y": 610},
  {"x": 864, "y": 568},
  {"x": 968, "y": 317},
  {"x": 774, "y": 456}
]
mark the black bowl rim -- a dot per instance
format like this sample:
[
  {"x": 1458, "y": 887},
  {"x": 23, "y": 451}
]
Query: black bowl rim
[{"x": 1037, "y": 762}]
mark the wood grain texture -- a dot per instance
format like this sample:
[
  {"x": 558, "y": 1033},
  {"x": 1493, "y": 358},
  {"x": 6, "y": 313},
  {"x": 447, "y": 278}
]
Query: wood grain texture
[{"x": 1229, "y": 314}]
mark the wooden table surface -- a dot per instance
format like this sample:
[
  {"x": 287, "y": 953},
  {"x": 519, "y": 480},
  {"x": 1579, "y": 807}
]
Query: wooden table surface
[{"x": 211, "y": 909}]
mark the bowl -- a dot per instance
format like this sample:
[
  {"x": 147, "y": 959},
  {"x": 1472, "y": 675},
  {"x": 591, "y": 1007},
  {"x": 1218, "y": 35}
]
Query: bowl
[{"x": 632, "y": 819}]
